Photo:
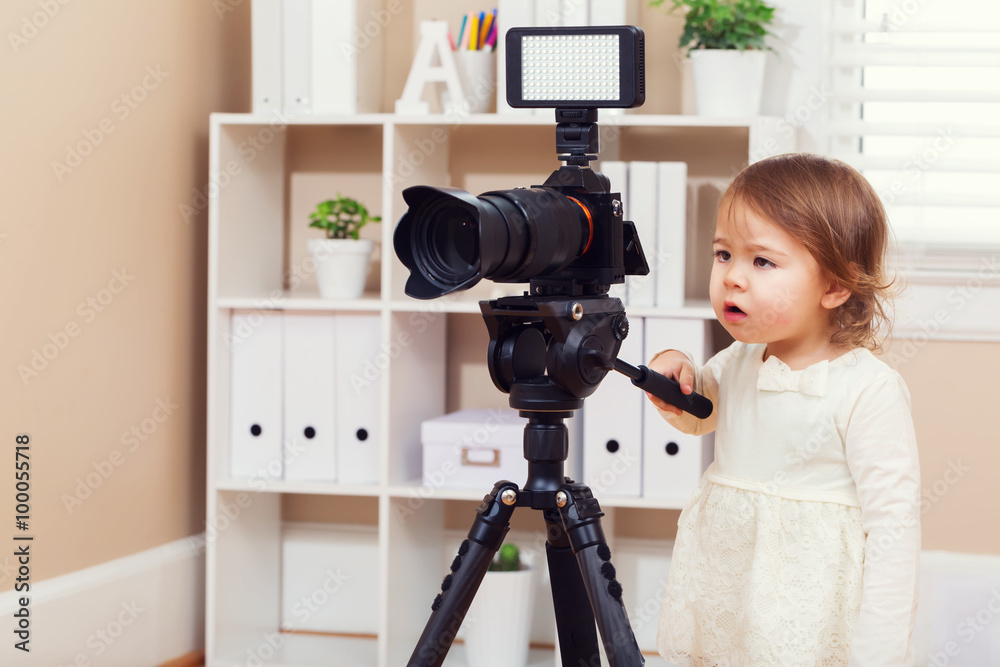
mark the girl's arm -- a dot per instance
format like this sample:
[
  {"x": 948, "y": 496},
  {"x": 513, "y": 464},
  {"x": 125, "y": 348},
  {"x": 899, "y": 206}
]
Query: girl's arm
[
  {"x": 882, "y": 455},
  {"x": 704, "y": 380}
]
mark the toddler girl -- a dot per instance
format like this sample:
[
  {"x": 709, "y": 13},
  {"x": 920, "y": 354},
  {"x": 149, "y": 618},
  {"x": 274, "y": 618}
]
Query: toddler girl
[{"x": 801, "y": 544}]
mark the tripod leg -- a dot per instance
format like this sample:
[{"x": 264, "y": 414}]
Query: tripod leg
[
  {"x": 574, "y": 617},
  {"x": 468, "y": 569},
  {"x": 581, "y": 516}
]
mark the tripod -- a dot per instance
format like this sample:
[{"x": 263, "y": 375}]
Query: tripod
[{"x": 548, "y": 354}]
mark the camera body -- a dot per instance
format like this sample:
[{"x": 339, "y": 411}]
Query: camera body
[
  {"x": 613, "y": 250},
  {"x": 565, "y": 237}
]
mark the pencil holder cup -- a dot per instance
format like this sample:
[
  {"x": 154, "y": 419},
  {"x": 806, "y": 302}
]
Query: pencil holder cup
[{"x": 477, "y": 71}]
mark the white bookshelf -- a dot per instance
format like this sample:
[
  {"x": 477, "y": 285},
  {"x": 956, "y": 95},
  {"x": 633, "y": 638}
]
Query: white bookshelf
[{"x": 255, "y": 239}]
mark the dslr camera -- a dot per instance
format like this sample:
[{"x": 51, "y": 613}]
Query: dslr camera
[{"x": 566, "y": 237}]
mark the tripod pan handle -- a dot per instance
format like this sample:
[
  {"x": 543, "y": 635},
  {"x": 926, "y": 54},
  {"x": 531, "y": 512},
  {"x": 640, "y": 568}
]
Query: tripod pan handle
[{"x": 666, "y": 389}]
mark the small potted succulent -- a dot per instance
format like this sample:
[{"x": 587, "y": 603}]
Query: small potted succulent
[
  {"x": 342, "y": 257},
  {"x": 499, "y": 628},
  {"x": 725, "y": 41}
]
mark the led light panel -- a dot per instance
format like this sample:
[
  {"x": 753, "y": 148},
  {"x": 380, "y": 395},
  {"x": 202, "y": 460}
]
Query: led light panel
[
  {"x": 570, "y": 67},
  {"x": 586, "y": 67}
]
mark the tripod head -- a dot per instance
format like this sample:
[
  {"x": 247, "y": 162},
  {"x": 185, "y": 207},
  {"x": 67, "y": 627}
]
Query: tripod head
[{"x": 549, "y": 353}]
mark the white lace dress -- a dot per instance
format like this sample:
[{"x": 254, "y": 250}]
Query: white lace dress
[{"x": 801, "y": 543}]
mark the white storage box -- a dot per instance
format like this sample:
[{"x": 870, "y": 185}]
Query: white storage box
[{"x": 474, "y": 449}]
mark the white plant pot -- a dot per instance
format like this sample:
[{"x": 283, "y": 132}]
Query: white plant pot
[
  {"x": 728, "y": 83},
  {"x": 498, "y": 625},
  {"x": 341, "y": 266}
]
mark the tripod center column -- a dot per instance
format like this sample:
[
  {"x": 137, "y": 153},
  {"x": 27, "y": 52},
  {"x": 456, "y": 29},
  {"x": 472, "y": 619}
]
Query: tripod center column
[{"x": 546, "y": 446}]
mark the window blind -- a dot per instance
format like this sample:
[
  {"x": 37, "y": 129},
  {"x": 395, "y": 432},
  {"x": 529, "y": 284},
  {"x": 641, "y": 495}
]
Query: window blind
[{"x": 915, "y": 106}]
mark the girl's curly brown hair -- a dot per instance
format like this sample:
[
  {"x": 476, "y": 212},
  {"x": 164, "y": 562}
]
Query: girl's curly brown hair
[{"x": 830, "y": 208}]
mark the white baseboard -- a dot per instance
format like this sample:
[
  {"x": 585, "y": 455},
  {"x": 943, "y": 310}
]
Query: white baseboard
[{"x": 138, "y": 611}]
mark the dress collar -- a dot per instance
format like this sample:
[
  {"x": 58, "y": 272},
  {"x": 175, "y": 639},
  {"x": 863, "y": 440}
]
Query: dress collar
[{"x": 775, "y": 375}]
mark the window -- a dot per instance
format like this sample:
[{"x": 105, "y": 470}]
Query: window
[{"x": 916, "y": 89}]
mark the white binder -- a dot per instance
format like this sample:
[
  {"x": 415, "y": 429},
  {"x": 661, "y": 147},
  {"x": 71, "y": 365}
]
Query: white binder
[
  {"x": 673, "y": 461},
  {"x": 309, "y": 424},
  {"x": 346, "y": 67},
  {"x": 642, "y": 205},
  {"x": 359, "y": 379},
  {"x": 670, "y": 234},
  {"x": 296, "y": 31},
  {"x": 612, "y": 427},
  {"x": 265, "y": 39},
  {"x": 255, "y": 395}
]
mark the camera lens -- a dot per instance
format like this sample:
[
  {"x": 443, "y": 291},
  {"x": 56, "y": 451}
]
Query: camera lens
[
  {"x": 454, "y": 241},
  {"x": 449, "y": 239}
]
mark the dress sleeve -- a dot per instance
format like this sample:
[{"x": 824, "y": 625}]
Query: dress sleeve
[
  {"x": 881, "y": 450},
  {"x": 706, "y": 382}
]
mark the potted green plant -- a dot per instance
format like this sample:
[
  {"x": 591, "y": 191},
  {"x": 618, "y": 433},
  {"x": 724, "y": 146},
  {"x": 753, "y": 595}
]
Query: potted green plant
[
  {"x": 725, "y": 40},
  {"x": 498, "y": 631},
  {"x": 342, "y": 257}
]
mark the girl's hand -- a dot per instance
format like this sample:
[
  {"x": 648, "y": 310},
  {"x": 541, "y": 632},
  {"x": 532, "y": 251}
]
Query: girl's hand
[{"x": 676, "y": 366}]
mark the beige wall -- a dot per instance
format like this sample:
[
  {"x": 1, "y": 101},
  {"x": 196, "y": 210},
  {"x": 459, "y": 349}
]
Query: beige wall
[{"x": 64, "y": 235}]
